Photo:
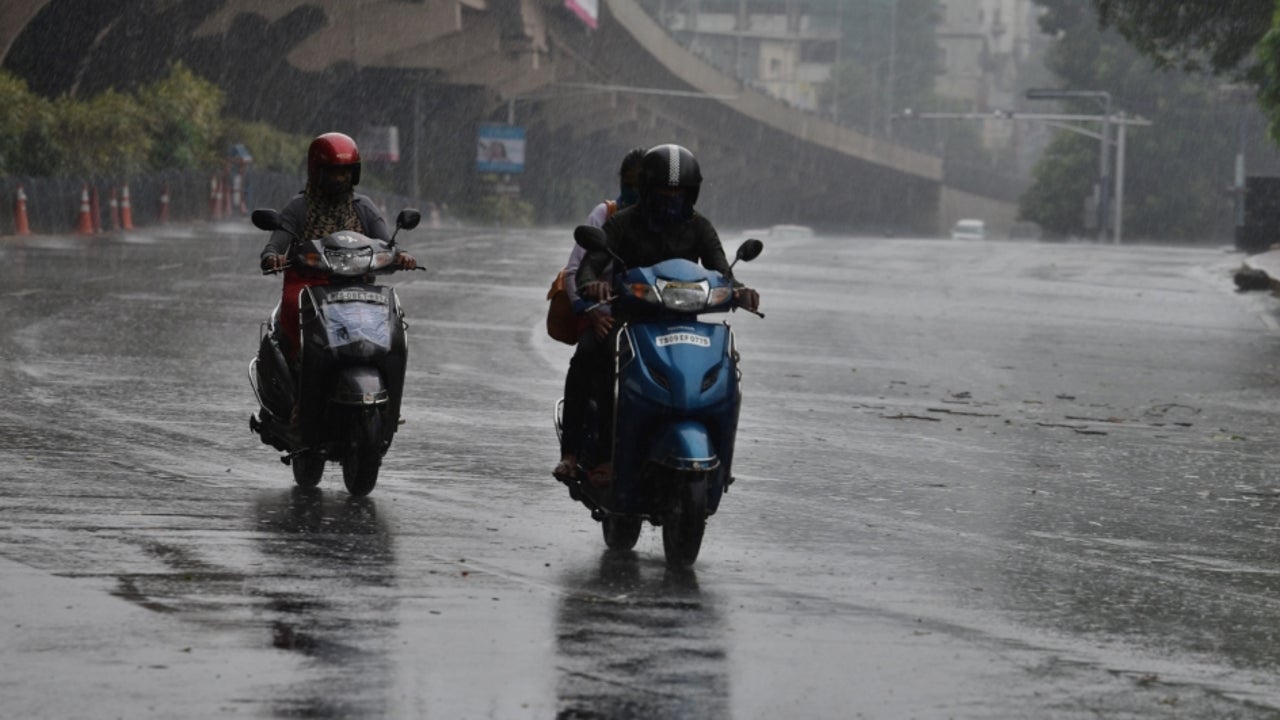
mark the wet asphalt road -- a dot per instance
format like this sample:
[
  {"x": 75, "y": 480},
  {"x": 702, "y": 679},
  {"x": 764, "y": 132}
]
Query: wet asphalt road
[{"x": 976, "y": 480}]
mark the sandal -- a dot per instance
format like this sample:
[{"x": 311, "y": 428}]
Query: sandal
[{"x": 564, "y": 471}]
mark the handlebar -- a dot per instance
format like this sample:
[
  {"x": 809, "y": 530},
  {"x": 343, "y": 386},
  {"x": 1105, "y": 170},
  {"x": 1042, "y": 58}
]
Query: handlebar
[{"x": 286, "y": 266}]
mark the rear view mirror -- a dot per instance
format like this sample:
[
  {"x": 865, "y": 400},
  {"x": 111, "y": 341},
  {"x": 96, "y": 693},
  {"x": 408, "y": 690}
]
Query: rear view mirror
[
  {"x": 590, "y": 238},
  {"x": 749, "y": 250},
  {"x": 266, "y": 219},
  {"x": 408, "y": 219}
]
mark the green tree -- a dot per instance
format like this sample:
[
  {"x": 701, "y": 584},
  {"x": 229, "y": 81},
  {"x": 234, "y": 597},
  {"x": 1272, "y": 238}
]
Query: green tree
[
  {"x": 1176, "y": 169},
  {"x": 184, "y": 117},
  {"x": 272, "y": 149},
  {"x": 1063, "y": 178},
  {"x": 1215, "y": 35},
  {"x": 1235, "y": 38},
  {"x": 27, "y": 145},
  {"x": 873, "y": 31},
  {"x": 104, "y": 136}
]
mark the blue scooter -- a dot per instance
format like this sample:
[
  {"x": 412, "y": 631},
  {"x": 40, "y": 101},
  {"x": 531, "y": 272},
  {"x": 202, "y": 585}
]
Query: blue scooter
[{"x": 677, "y": 392}]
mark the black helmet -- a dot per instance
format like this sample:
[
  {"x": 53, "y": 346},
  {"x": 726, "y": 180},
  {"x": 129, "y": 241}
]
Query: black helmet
[{"x": 671, "y": 166}]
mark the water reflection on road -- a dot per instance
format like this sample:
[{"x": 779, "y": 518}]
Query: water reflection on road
[
  {"x": 637, "y": 639},
  {"x": 331, "y": 597}
]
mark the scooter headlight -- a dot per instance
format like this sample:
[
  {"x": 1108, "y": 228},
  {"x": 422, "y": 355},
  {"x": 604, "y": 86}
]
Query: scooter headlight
[
  {"x": 645, "y": 292},
  {"x": 719, "y": 296},
  {"x": 349, "y": 261},
  {"x": 684, "y": 296}
]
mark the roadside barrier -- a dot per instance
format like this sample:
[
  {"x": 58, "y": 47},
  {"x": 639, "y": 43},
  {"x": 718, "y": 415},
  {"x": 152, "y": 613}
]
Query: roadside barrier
[
  {"x": 215, "y": 198},
  {"x": 126, "y": 210},
  {"x": 113, "y": 210},
  {"x": 237, "y": 196},
  {"x": 65, "y": 205},
  {"x": 21, "y": 226},
  {"x": 95, "y": 210},
  {"x": 163, "y": 217},
  {"x": 84, "y": 223}
]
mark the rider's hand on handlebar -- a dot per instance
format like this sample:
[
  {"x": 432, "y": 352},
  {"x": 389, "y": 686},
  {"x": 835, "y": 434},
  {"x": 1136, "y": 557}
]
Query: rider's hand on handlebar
[
  {"x": 406, "y": 261},
  {"x": 274, "y": 262},
  {"x": 598, "y": 291},
  {"x": 601, "y": 323},
  {"x": 747, "y": 298}
]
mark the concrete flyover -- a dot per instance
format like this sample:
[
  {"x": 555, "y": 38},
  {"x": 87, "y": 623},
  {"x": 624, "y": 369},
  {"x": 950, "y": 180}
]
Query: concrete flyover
[
  {"x": 763, "y": 161},
  {"x": 438, "y": 68}
]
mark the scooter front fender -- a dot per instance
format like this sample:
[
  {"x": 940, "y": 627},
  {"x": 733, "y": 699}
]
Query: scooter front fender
[
  {"x": 361, "y": 385},
  {"x": 685, "y": 445}
]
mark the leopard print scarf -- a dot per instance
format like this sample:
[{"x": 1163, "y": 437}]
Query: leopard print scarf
[{"x": 325, "y": 217}]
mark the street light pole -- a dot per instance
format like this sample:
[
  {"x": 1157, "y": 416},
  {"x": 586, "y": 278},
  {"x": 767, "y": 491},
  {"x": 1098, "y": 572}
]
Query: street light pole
[
  {"x": 1104, "y": 164},
  {"x": 1119, "y": 215},
  {"x": 893, "y": 51},
  {"x": 1063, "y": 122}
]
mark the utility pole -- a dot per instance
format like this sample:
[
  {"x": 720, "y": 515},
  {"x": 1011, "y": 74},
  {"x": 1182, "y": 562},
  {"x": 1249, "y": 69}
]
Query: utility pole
[
  {"x": 1104, "y": 161},
  {"x": 893, "y": 51},
  {"x": 1062, "y": 121}
]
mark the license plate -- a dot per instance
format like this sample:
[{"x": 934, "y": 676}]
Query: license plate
[
  {"x": 684, "y": 339},
  {"x": 356, "y": 296}
]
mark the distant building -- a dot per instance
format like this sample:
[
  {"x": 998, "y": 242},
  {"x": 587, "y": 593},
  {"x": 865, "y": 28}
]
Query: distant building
[
  {"x": 991, "y": 51},
  {"x": 774, "y": 45}
]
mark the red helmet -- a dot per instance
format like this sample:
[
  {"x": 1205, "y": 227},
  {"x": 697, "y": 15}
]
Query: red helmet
[{"x": 332, "y": 150}]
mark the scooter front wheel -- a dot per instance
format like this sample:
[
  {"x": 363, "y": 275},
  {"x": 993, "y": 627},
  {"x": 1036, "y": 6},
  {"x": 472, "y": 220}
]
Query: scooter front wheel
[
  {"x": 683, "y": 527},
  {"x": 621, "y": 532},
  {"x": 308, "y": 467},
  {"x": 361, "y": 463}
]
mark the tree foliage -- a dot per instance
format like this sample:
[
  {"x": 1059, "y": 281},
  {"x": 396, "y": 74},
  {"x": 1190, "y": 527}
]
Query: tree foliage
[
  {"x": 1177, "y": 168},
  {"x": 858, "y": 91},
  {"x": 26, "y": 130},
  {"x": 1215, "y": 35},
  {"x": 177, "y": 122},
  {"x": 1235, "y": 38},
  {"x": 183, "y": 113}
]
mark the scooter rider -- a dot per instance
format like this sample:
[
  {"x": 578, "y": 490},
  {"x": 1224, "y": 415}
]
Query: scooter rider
[
  {"x": 591, "y": 352},
  {"x": 661, "y": 226},
  {"x": 327, "y": 204}
]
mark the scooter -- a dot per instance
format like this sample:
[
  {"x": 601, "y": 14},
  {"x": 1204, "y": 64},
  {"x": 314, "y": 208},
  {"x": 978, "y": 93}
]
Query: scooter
[
  {"x": 677, "y": 393},
  {"x": 345, "y": 389}
]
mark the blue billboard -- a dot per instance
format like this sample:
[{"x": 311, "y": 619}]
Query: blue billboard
[{"x": 500, "y": 149}]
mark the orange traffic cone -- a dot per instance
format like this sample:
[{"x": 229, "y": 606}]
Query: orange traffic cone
[
  {"x": 84, "y": 223},
  {"x": 126, "y": 210},
  {"x": 113, "y": 211},
  {"x": 163, "y": 218},
  {"x": 20, "y": 224}
]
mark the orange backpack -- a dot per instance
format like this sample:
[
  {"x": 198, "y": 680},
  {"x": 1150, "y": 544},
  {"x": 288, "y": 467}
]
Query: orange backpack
[{"x": 563, "y": 323}]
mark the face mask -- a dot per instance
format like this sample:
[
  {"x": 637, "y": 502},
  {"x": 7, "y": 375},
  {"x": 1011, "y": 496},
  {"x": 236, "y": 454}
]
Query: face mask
[
  {"x": 628, "y": 196},
  {"x": 665, "y": 210},
  {"x": 335, "y": 188}
]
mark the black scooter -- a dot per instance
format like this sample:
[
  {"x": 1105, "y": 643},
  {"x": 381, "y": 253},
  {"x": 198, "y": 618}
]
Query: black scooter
[{"x": 345, "y": 389}]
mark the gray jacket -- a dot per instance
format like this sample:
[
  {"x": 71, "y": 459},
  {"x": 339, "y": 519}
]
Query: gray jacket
[{"x": 294, "y": 216}]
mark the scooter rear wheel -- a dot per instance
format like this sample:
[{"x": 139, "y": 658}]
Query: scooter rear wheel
[
  {"x": 308, "y": 467},
  {"x": 620, "y": 532}
]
